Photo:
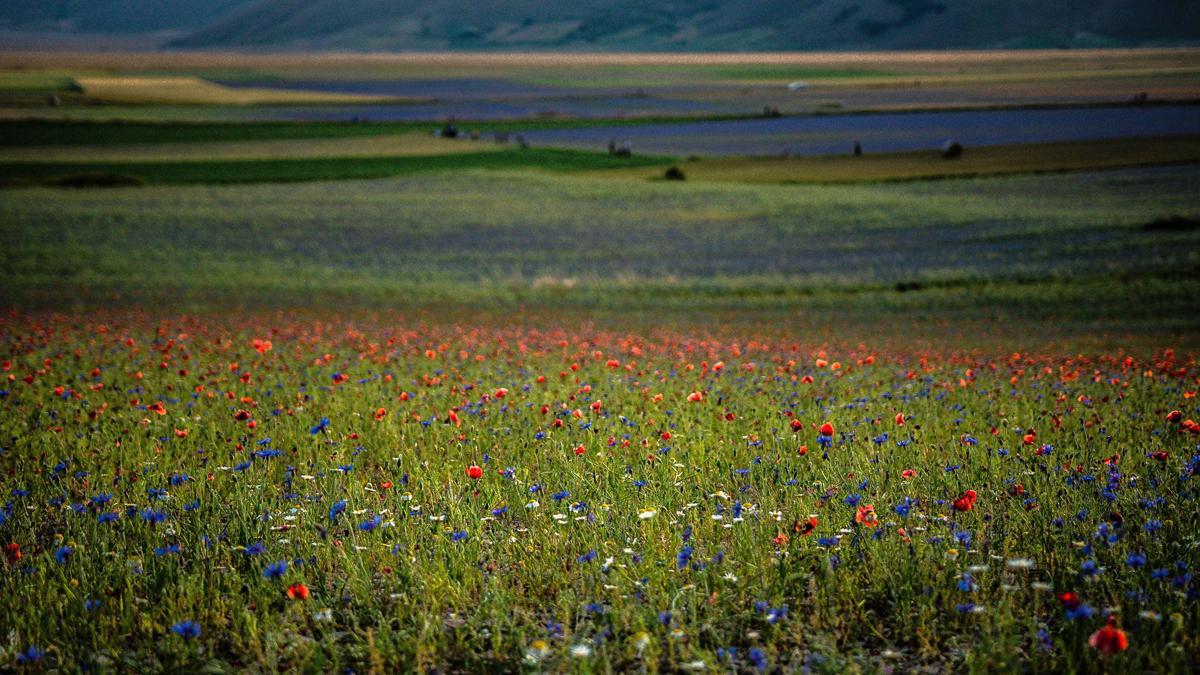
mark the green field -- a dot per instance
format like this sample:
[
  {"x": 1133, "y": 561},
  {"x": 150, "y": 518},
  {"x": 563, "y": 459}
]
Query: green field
[
  {"x": 811, "y": 251},
  {"x": 324, "y": 397}
]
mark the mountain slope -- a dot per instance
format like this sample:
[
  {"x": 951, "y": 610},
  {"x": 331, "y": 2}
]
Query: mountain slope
[
  {"x": 742, "y": 25},
  {"x": 115, "y": 16}
]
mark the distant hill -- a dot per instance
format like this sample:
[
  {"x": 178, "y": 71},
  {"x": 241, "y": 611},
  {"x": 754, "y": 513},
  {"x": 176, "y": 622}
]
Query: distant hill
[
  {"x": 627, "y": 25},
  {"x": 115, "y": 16}
]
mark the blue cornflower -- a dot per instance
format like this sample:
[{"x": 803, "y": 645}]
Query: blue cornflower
[
  {"x": 152, "y": 516},
  {"x": 276, "y": 569},
  {"x": 321, "y": 426},
  {"x": 91, "y": 605},
  {"x": 1089, "y": 568},
  {"x": 458, "y": 535},
  {"x": 370, "y": 525},
  {"x": 338, "y": 507},
  {"x": 165, "y": 550},
  {"x": 757, "y": 658},
  {"x": 188, "y": 629},
  {"x": 1136, "y": 559},
  {"x": 256, "y": 548},
  {"x": 587, "y": 557},
  {"x": 685, "y": 555},
  {"x": 1080, "y": 611},
  {"x": 30, "y": 655},
  {"x": 63, "y": 553}
]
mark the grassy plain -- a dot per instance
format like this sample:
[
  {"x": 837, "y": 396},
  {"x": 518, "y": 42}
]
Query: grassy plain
[
  {"x": 903, "y": 166},
  {"x": 193, "y": 90},
  {"x": 412, "y": 143},
  {"x": 369, "y": 156},
  {"x": 1071, "y": 248},
  {"x": 538, "y": 410},
  {"x": 845, "y": 82}
]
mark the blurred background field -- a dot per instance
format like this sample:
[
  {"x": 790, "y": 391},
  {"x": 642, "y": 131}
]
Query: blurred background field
[
  {"x": 548, "y": 348},
  {"x": 470, "y": 181},
  {"x": 1071, "y": 253}
]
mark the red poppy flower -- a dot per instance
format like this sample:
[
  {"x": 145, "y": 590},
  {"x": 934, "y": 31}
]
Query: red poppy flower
[
  {"x": 1069, "y": 599},
  {"x": 908, "y": 474},
  {"x": 805, "y": 527},
  {"x": 963, "y": 504},
  {"x": 899, "y": 419},
  {"x": 580, "y": 449},
  {"x": 157, "y": 407},
  {"x": 797, "y": 425},
  {"x": 12, "y": 551},
  {"x": 1174, "y": 416},
  {"x": 474, "y": 472},
  {"x": 695, "y": 397},
  {"x": 380, "y": 414},
  {"x": 297, "y": 592},
  {"x": 241, "y": 415},
  {"x": 1110, "y": 639},
  {"x": 865, "y": 516},
  {"x": 826, "y": 429}
]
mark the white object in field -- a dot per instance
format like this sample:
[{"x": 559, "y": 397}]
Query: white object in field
[{"x": 797, "y": 86}]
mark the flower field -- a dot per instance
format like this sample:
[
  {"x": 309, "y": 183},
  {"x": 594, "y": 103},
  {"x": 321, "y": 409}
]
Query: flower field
[{"x": 260, "y": 492}]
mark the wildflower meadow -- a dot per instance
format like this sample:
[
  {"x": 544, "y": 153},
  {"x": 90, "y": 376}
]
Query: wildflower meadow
[{"x": 266, "y": 493}]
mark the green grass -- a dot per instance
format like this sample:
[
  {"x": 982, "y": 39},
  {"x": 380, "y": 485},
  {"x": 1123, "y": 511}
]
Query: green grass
[
  {"x": 31, "y": 133},
  {"x": 1068, "y": 251},
  {"x": 318, "y": 169},
  {"x": 977, "y": 308},
  {"x": 647, "y": 532},
  {"x": 38, "y": 81},
  {"x": 928, "y": 165}
]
